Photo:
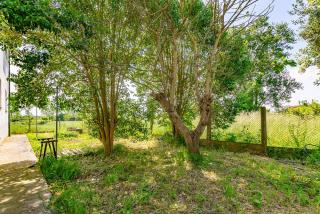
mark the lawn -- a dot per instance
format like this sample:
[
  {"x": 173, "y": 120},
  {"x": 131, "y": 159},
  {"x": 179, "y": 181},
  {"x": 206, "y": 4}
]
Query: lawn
[
  {"x": 160, "y": 177},
  {"x": 21, "y": 127}
]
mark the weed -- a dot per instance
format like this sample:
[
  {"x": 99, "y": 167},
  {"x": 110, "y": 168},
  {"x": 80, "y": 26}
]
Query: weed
[
  {"x": 303, "y": 197},
  {"x": 231, "y": 137},
  {"x": 110, "y": 179},
  {"x": 200, "y": 198},
  {"x": 141, "y": 196},
  {"x": 74, "y": 200},
  {"x": 228, "y": 190},
  {"x": 61, "y": 169},
  {"x": 256, "y": 199},
  {"x": 119, "y": 149},
  {"x": 298, "y": 133}
]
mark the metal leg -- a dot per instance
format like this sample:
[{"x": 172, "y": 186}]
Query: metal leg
[
  {"x": 50, "y": 147},
  {"x": 45, "y": 150},
  {"x": 54, "y": 150},
  {"x": 40, "y": 150}
]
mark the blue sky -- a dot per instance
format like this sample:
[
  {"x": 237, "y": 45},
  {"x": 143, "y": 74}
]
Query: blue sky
[{"x": 310, "y": 91}]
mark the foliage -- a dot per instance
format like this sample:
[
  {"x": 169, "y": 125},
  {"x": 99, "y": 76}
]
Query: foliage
[
  {"x": 269, "y": 82},
  {"x": 61, "y": 169},
  {"x": 176, "y": 53},
  {"x": 305, "y": 109},
  {"x": 309, "y": 19},
  {"x": 131, "y": 121}
]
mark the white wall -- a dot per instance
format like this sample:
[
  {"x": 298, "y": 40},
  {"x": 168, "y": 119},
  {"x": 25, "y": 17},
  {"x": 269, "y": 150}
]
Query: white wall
[{"x": 4, "y": 94}]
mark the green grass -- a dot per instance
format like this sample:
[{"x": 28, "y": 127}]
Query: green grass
[
  {"x": 21, "y": 127},
  {"x": 159, "y": 177},
  {"x": 61, "y": 169},
  {"x": 80, "y": 141},
  {"x": 66, "y": 139},
  {"x": 284, "y": 130}
]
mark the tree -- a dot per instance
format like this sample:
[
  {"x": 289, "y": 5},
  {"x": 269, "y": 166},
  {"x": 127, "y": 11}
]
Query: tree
[
  {"x": 309, "y": 18},
  {"x": 269, "y": 82},
  {"x": 186, "y": 36},
  {"x": 95, "y": 44}
]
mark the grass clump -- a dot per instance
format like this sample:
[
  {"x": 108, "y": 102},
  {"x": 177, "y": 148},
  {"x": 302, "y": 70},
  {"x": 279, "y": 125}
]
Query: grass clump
[
  {"x": 61, "y": 169},
  {"x": 74, "y": 200},
  {"x": 256, "y": 199},
  {"x": 141, "y": 196}
]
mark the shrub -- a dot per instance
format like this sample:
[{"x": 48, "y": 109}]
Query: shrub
[{"x": 61, "y": 169}]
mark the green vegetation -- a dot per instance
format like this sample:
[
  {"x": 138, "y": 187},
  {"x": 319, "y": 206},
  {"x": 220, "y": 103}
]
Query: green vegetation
[
  {"x": 305, "y": 109},
  {"x": 284, "y": 130},
  {"x": 44, "y": 126},
  {"x": 61, "y": 169},
  {"x": 136, "y": 69},
  {"x": 152, "y": 176}
]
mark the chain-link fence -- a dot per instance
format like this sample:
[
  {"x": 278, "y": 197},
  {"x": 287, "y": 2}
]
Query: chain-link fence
[
  {"x": 245, "y": 129},
  {"x": 292, "y": 131},
  {"x": 283, "y": 130}
]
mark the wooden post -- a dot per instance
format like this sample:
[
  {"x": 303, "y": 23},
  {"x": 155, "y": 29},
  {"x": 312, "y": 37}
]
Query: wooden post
[{"x": 264, "y": 136}]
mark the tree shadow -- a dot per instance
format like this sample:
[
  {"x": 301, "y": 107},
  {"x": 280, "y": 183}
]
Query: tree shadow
[{"x": 22, "y": 189}]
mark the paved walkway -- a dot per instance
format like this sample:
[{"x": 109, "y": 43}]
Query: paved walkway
[{"x": 22, "y": 187}]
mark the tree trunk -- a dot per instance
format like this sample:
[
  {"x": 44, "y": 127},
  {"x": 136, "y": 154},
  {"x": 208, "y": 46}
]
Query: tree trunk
[{"x": 192, "y": 138}]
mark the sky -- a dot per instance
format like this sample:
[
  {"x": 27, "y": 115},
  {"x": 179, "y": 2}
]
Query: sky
[
  {"x": 309, "y": 92},
  {"x": 280, "y": 14}
]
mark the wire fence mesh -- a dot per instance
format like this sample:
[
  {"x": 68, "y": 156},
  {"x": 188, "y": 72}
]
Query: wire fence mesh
[
  {"x": 283, "y": 130},
  {"x": 288, "y": 130},
  {"x": 245, "y": 129}
]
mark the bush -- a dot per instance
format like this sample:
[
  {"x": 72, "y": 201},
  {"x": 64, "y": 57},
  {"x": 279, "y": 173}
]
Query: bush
[
  {"x": 305, "y": 109},
  {"x": 61, "y": 169}
]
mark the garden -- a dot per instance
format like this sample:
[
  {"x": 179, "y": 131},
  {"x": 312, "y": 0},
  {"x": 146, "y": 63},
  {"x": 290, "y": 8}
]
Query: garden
[{"x": 136, "y": 94}]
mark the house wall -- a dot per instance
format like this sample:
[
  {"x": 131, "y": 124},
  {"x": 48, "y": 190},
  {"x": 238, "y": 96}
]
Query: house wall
[{"x": 4, "y": 94}]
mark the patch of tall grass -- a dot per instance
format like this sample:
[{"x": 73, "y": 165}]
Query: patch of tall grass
[{"x": 61, "y": 169}]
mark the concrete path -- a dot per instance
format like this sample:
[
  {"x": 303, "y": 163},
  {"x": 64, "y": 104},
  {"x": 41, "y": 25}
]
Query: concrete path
[{"x": 22, "y": 186}]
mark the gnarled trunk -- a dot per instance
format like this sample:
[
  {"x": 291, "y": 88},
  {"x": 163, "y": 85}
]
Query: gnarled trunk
[{"x": 191, "y": 137}]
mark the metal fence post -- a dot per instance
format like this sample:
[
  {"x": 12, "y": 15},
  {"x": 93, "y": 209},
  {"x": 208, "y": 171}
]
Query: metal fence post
[{"x": 264, "y": 136}]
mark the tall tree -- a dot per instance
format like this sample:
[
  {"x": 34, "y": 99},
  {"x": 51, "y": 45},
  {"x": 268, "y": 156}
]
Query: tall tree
[
  {"x": 91, "y": 46},
  {"x": 186, "y": 36},
  {"x": 309, "y": 20},
  {"x": 269, "y": 82}
]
